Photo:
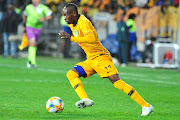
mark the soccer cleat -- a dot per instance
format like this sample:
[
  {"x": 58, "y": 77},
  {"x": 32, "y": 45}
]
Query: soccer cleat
[
  {"x": 28, "y": 64},
  {"x": 147, "y": 110},
  {"x": 34, "y": 66},
  {"x": 84, "y": 103}
]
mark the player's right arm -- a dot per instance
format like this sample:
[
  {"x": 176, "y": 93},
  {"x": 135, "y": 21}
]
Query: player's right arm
[{"x": 24, "y": 20}]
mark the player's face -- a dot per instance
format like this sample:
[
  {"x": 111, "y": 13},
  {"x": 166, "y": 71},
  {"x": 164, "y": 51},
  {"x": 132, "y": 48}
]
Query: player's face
[
  {"x": 36, "y": 2},
  {"x": 10, "y": 7},
  {"x": 68, "y": 15}
]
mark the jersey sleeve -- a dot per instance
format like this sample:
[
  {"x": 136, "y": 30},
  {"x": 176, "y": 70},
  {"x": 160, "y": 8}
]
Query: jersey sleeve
[
  {"x": 87, "y": 32},
  {"x": 47, "y": 11}
]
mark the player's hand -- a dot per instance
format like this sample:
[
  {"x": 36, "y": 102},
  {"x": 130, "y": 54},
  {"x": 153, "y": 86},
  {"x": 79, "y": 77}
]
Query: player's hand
[
  {"x": 64, "y": 35},
  {"x": 42, "y": 19},
  {"x": 24, "y": 30}
]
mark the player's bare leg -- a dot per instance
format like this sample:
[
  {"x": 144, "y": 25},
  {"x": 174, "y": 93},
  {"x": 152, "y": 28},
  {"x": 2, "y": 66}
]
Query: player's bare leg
[
  {"x": 76, "y": 83},
  {"x": 129, "y": 90}
]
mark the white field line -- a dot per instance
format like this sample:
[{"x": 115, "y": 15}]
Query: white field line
[
  {"x": 135, "y": 77},
  {"x": 38, "y": 69},
  {"x": 86, "y": 82},
  {"x": 153, "y": 81}
]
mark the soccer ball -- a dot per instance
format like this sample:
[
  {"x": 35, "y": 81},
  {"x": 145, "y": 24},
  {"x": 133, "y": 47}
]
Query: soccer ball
[{"x": 54, "y": 104}]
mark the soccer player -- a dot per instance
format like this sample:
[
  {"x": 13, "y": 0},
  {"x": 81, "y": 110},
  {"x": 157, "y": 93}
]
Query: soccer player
[
  {"x": 35, "y": 15},
  {"x": 98, "y": 60}
]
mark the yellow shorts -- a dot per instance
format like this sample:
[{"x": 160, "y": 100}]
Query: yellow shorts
[{"x": 102, "y": 65}]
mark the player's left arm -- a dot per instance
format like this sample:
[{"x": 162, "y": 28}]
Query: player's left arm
[
  {"x": 85, "y": 39},
  {"x": 87, "y": 32},
  {"x": 48, "y": 14}
]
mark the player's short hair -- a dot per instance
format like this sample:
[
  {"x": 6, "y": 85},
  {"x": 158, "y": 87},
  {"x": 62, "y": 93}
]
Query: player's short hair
[{"x": 73, "y": 7}]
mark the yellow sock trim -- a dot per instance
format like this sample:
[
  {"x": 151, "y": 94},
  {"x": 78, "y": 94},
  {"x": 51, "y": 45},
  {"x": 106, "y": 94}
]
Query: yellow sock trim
[
  {"x": 129, "y": 90},
  {"x": 76, "y": 84}
]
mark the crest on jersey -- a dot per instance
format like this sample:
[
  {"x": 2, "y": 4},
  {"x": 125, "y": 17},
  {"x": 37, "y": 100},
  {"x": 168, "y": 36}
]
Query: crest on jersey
[
  {"x": 76, "y": 32},
  {"x": 39, "y": 10}
]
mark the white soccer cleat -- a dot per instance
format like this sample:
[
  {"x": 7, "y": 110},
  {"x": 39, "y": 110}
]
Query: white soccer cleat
[
  {"x": 147, "y": 110},
  {"x": 34, "y": 66},
  {"x": 28, "y": 64},
  {"x": 84, "y": 103}
]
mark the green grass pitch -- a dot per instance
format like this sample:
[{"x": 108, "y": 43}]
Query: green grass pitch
[{"x": 24, "y": 92}]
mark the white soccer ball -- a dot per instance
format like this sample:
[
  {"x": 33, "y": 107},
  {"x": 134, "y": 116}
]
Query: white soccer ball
[{"x": 54, "y": 104}]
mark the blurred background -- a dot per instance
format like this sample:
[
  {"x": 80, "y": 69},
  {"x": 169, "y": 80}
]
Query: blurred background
[{"x": 152, "y": 40}]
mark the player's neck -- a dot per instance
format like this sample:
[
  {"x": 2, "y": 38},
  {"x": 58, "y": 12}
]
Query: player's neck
[
  {"x": 75, "y": 22},
  {"x": 35, "y": 5}
]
